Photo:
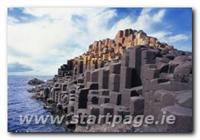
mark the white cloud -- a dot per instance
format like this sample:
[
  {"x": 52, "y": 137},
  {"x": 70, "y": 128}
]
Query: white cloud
[
  {"x": 159, "y": 16},
  {"x": 169, "y": 37},
  {"x": 147, "y": 19},
  {"x": 12, "y": 20},
  {"x": 52, "y": 35},
  {"x": 55, "y": 37},
  {"x": 178, "y": 37}
]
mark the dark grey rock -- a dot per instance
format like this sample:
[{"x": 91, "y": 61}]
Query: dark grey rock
[{"x": 35, "y": 82}]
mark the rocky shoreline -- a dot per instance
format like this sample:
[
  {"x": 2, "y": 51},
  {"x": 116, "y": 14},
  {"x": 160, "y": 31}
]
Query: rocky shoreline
[{"x": 131, "y": 74}]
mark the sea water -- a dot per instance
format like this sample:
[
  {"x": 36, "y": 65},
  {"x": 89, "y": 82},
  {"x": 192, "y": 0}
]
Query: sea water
[{"x": 21, "y": 103}]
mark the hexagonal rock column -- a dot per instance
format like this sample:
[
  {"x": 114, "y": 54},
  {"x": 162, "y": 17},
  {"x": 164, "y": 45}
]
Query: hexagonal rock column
[
  {"x": 94, "y": 110},
  {"x": 116, "y": 98},
  {"x": 155, "y": 100},
  {"x": 94, "y": 76},
  {"x": 107, "y": 109},
  {"x": 103, "y": 78},
  {"x": 114, "y": 82},
  {"x": 128, "y": 93},
  {"x": 92, "y": 85},
  {"x": 137, "y": 105},
  {"x": 115, "y": 68},
  {"x": 104, "y": 96},
  {"x": 83, "y": 98},
  {"x": 93, "y": 97}
]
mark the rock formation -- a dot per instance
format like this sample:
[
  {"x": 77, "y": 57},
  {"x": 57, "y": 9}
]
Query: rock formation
[
  {"x": 35, "y": 82},
  {"x": 131, "y": 74}
]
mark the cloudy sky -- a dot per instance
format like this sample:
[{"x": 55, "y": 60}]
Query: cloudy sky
[{"x": 41, "y": 39}]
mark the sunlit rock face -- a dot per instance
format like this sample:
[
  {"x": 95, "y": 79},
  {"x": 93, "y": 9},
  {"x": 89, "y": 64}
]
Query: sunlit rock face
[{"x": 131, "y": 74}]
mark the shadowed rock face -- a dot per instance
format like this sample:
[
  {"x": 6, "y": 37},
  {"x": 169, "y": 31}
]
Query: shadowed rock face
[{"x": 131, "y": 74}]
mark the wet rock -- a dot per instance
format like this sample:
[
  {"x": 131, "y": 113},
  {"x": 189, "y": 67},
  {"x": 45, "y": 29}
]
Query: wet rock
[
  {"x": 35, "y": 82},
  {"x": 31, "y": 90}
]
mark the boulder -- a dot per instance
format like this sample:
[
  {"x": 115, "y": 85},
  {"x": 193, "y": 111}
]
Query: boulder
[
  {"x": 31, "y": 90},
  {"x": 182, "y": 72},
  {"x": 35, "y": 82},
  {"x": 184, "y": 98}
]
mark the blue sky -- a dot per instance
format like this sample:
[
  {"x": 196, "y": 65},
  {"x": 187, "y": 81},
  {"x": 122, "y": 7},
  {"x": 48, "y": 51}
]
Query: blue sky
[{"x": 41, "y": 39}]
